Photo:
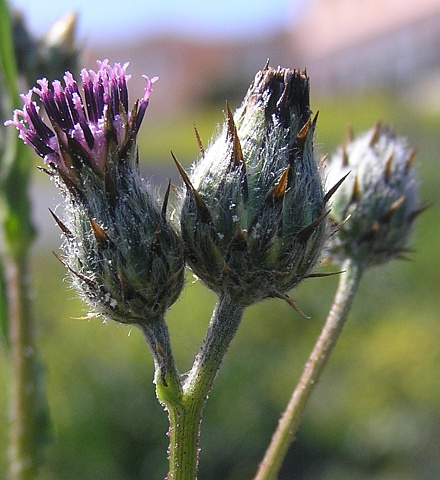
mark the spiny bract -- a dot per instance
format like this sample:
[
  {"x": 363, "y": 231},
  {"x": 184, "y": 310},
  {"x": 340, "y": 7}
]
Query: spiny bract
[
  {"x": 378, "y": 199},
  {"x": 252, "y": 217}
]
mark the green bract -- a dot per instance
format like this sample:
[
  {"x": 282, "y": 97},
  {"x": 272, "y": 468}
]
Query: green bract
[
  {"x": 126, "y": 261},
  {"x": 252, "y": 216}
]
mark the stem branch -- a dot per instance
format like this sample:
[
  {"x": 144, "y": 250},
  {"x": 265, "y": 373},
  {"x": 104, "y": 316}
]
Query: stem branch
[
  {"x": 290, "y": 419},
  {"x": 186, "y": 415}
]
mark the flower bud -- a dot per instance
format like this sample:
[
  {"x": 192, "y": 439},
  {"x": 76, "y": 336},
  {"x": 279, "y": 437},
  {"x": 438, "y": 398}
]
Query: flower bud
[
  {"x": 252, "y": 218},
  {"x": 50, "y": 55},
  {"x": 56, "y": 49},
  {"x": 379, "y": 196},
  {"x": 123, "y": 255}
]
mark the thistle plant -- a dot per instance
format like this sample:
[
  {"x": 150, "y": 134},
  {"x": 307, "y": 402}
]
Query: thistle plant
[
  {"x": 253, "y": 212},
  {"x": 255, "y": 201},
  {"x": 252, "y": 223},
  {"x": 124, "y": 258},
  {"x": 373, "y": 214}
]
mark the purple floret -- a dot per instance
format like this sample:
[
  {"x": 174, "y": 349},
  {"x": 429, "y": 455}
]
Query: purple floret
[{"x": 80, "y": 118}]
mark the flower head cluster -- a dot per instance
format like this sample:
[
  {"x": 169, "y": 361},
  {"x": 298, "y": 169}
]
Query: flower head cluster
[
  {"x": 379, "y": 197},
  {"x": 124, "y": 256},
  {"x": 252, "y": 218}
]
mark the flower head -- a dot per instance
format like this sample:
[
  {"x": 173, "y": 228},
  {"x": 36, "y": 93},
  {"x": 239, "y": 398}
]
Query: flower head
[
  {"x": 252, "y": 216},
  {"x": 124, "y": 257},
  {"x": 379, "y": 197},
  {"x": 87, "y": 126}
]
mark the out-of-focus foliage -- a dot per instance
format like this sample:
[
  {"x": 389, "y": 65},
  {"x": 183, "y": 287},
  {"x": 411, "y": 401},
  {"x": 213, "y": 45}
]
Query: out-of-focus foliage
[{"x": 375, "y": 413}]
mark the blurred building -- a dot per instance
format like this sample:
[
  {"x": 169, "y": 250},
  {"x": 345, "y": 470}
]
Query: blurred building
[
  {"x": 346, "y": 45},
  {"x": 349, "y": 44},
  {"x": 193, "y": 72}
]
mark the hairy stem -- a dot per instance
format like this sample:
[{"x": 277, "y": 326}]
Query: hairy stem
[
  {"x": 186, "y": 414},
  {"x": 23, "y": 410},
  {"x": 223, "y": 326},
  {"x": 167, "y": 377},
  {"x": 290, "y": 419},
  {"x": 168, "y": 385}
]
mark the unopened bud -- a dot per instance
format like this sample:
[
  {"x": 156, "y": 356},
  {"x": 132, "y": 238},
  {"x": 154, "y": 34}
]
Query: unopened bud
[
  {"x": 57, "y": 51},
  {"x": 377, "y": 204},
  {"x": 253, "y": 216}
]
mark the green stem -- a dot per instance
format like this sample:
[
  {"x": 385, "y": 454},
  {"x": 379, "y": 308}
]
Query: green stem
[
  {"x": 23, "y": 396},
  {"x": 184, "y": 441},
  {"x": 167, "y": 379},
  {"x": 290, "y": 419},
  {"x": 17, "y": 234},
  {"x": 222, "y": 329},
  {"x": 168, "y": 385},
  {"x": 185, "y": 418}
]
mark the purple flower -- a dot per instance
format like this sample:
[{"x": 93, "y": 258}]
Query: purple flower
[
  {"x": 84, "y": 124},
  {"x": 124, "y": 257}
]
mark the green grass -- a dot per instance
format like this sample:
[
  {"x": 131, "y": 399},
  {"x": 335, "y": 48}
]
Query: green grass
[{"x": 158, "y": 138}]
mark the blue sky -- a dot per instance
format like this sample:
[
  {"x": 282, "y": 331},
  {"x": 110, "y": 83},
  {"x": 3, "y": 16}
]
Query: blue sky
[{"x": 112, "y": 21}]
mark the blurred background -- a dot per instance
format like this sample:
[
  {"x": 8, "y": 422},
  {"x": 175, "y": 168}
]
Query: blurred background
[{"x": 376, "y": 411}]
